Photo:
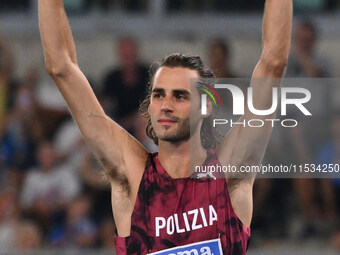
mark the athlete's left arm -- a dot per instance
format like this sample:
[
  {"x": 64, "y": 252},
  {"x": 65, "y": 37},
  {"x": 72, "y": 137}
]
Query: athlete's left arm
[{"x": 244, "y": 146}]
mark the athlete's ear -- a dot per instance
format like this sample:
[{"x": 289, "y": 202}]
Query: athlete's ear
[{"x": 209, "y": 108}]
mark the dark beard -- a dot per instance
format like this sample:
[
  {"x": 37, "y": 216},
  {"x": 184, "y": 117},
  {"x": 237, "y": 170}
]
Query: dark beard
[{"x": 181, "y": 134}]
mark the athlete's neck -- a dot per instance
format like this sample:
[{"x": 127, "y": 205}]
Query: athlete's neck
[{"x": 175, "y": 157}]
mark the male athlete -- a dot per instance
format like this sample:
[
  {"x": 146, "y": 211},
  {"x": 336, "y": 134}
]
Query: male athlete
[{"x": 155, "y": 204}]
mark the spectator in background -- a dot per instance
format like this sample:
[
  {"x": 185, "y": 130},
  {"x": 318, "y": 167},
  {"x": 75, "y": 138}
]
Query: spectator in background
[
  {"x": 51, "y": 105},
  {"x": 48, "y": 188},
  {"x": 69, "y": 144},
  {"x": 330, "y": 154},
  {"x": 79, "y": 230},
  {"x": 305, "y": 60},
  {"x": 125, "y": 86},
  {"x": 219, "y": 59},
  {"x": 21, "y": 127}
]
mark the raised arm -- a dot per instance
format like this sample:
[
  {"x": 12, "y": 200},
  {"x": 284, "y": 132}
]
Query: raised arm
[
  {"x": 246, "y": 145},
  {"x": 276, "y": 39},
  {"x": 121, "y": 155}
]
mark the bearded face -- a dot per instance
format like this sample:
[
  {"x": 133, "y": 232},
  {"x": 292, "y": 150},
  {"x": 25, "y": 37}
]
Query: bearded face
[{"x": 170, "y": 104}]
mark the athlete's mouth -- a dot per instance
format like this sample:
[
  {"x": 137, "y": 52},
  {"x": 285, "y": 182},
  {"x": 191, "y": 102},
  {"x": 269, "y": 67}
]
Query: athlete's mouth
[{"x": 166, "y": 121}]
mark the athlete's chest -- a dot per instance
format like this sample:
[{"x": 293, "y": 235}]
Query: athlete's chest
[{"x": 178, "y": 210}]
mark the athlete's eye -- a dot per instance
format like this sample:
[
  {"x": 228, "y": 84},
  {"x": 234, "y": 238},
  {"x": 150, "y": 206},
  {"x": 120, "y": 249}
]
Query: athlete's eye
[
  {"x": 181, "y": 97},
  {"x": 157, "y": 95}
]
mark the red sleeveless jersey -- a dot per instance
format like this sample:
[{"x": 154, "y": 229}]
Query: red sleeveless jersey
[{"x": 173, "y": 212}]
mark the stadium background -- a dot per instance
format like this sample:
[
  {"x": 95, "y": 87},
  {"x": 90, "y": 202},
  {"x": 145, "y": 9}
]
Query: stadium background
[{"x": 34, "y": 118}]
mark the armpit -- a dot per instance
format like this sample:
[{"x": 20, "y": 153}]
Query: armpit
[{"x": 116, "y": 177}]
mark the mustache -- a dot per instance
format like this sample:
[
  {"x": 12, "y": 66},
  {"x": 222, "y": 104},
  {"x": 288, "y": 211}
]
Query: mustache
[{"x": 170, "y": 117}]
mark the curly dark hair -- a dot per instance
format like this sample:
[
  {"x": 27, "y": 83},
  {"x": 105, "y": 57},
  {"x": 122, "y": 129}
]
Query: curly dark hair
[{"x": 209, "y": 136}]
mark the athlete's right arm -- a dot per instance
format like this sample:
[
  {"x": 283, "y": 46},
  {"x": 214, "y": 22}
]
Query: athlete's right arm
[{"x": 121, "y": 155}]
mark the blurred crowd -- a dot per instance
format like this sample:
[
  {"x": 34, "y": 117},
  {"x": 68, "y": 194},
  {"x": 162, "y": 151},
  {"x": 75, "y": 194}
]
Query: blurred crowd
[
  {"x": 79, "y": 6},
  {"x": 54, "y": 194},
  {"x": 304, "y": 208}
]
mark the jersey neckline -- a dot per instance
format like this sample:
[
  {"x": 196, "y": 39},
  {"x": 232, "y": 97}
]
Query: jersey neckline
[{"x": 162, "y": 172}]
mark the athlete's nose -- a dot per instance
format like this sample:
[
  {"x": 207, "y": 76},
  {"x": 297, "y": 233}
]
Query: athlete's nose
[{"x": 167, "y": 105}]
